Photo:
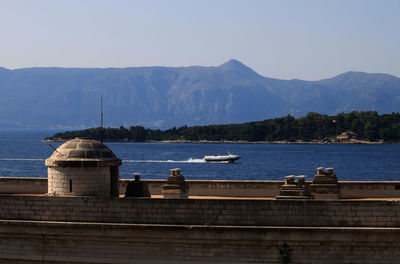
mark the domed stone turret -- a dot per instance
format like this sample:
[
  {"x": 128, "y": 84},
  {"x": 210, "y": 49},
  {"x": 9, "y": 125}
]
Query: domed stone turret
[{"x": 83, "y": 166}]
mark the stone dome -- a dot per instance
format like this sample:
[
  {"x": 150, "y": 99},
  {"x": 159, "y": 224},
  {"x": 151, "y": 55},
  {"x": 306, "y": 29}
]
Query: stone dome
[{"x": 82, "y": 152}]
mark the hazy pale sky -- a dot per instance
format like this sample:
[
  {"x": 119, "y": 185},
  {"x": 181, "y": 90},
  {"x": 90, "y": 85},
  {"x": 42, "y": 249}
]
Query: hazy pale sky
[{"x": 309, "y": 40}]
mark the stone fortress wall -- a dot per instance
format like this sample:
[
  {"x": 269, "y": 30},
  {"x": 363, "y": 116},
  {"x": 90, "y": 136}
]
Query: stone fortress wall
[
  {"x": 85, "y": 242},
  {"x": 226, "y": 212},
  {"x": 87, "y": 220},
  {"x": 83, "y": 229}
]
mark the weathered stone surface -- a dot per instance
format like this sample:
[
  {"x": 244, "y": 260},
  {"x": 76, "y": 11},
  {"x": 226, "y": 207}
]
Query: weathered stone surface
[
  {"x": 45, "y": 229},
  {"x": 82, "y": 152},
  {"x": 242, "y": 212},
  {"x": 295, "y": 187},
  {"x": 325, "y": 184},
  {"x": 67, "y": 243},
  {"x": 137, "y": 188},
  {"x": 176, "y": 186},
  {"x": 221, "y": 188},
  {"x": 83, "y": 167}
]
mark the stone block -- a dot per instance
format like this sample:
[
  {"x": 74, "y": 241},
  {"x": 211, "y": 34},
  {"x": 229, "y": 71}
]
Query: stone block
[
  {"x": 325, "y": 184},
  {"x": 176, "y": 186},
  {"x": 295, "y": 187}
]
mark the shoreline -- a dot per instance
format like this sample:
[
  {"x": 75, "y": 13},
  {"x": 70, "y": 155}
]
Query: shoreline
[{"x": 317, "y": 142}]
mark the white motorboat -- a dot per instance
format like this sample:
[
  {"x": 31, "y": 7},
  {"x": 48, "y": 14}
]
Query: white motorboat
[{"x": 230, "y": 158}]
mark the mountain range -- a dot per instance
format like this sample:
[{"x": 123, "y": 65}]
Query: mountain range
[{"x": 174, "y": 96}]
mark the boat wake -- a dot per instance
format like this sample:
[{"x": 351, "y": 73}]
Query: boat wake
[
  {"x": 166, "y": 161},
  {"x": 133, "y": 161},
  {"x": 1, "y": 159},
  {"x": 126, "y": 161}
]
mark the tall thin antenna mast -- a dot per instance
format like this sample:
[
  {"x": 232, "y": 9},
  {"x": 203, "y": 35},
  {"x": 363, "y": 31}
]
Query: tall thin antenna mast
[{"x": 101, "y": 118}]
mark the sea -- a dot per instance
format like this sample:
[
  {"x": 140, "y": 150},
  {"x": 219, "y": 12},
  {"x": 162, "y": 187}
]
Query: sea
[{"x": 22, "y": 154}]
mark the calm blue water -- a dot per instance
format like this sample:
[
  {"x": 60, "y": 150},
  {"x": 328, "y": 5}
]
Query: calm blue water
[{"x": 22, "y": 154}]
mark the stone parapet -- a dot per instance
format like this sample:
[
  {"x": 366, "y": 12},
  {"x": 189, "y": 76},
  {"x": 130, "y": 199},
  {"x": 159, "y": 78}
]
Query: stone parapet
[{"x": 221, "y": 188}]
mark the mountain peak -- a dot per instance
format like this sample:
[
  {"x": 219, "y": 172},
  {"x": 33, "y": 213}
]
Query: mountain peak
[
  {"x": 235, "y": 65},
  {"x": 232, "y": 63}
]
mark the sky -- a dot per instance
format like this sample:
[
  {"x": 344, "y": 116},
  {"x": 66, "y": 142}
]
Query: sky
[{"x": 286, "y": 39}]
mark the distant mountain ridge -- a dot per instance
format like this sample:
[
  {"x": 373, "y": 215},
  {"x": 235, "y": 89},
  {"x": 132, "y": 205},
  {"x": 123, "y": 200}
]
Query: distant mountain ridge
[{"x": 174, "y": 96}]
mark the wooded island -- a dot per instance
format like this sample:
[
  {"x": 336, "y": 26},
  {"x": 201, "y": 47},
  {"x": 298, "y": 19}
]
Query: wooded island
[{"x": 354, "y": 127}]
